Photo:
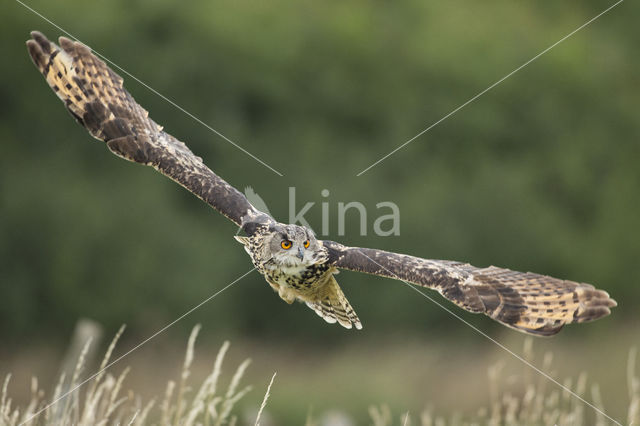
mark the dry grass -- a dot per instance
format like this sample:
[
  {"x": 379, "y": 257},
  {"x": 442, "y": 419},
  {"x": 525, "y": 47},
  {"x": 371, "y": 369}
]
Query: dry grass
[
  {"x": 101, "y": 401},
  {"x": 516, "y": 399},
  {"x": 536, "y": 401}
]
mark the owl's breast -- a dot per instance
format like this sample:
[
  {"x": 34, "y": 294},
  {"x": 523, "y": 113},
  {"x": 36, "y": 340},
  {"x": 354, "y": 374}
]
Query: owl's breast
[{"x": 298, "y": 277}]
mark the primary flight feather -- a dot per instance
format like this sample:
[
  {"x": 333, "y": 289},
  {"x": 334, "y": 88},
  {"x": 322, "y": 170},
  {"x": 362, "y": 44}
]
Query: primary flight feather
[{"x": 296, "y": 264}]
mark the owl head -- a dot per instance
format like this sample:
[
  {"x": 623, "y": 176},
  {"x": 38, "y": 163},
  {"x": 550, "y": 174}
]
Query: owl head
[{"x": 293, "y": 245}]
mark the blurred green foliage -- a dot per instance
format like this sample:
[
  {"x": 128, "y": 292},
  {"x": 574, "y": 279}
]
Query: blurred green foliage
[{"x": 541, "y": 173}]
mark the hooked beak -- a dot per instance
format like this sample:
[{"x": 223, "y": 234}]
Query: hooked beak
[{"x": 300, "y": 253}]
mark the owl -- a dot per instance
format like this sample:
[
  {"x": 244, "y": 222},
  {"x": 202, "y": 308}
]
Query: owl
[{"x": 293, "y": 261}]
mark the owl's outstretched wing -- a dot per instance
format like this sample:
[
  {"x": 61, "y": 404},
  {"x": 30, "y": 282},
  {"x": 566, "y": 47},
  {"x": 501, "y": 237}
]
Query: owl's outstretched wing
[
  {"x": 528, "y": 302},
  {"x": 95, "y": 96}
]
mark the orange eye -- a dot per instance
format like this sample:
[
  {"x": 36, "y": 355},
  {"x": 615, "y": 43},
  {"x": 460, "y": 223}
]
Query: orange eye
[
  {"x": 306, "y": 244},
  {"x": 286, "y": 244}
]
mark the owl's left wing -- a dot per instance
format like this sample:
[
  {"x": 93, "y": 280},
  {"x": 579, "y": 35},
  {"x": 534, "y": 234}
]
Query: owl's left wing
[
  {"x": 97, "y": 99},
  {"x": 528, "y": 302}
]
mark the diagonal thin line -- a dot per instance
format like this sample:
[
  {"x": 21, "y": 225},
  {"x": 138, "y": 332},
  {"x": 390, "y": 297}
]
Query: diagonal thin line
[
  {"x": 490, "y": 87},
  {"x": 476, "y": 329},
  {"x": 153, "y": 90},
  {"x": 406, "y": 418},
  {"x": 70, "y": 391}
]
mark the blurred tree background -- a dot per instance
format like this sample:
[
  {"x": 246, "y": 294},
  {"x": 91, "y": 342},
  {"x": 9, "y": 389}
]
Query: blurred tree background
[{"x": 540, "y": 173}]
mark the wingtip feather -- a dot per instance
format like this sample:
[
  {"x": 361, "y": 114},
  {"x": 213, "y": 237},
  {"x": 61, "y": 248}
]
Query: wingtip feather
[
  {"x": 36, "y": 54},
  {"x": 42, "y": 41},
  {"x": 66, "y": 43},
  {"x": 39, "y": 48}
]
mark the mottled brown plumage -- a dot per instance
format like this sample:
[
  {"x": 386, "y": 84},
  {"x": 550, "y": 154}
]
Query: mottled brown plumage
[
  {"x": 528, "y": 302},
  {"x": 96, "y": 98},
  {"x": 304, "y": 269}
]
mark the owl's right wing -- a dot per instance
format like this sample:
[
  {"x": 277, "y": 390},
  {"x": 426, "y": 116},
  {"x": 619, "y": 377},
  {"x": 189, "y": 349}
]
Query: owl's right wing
[
  {"x": 95, "y": 96},
  {"x": 532, "y": 303}
]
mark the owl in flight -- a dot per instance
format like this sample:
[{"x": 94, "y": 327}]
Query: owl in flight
[{"x": 294, "y": 262}]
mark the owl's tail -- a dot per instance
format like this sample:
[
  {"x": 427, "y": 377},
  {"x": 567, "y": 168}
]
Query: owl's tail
[{"x": 332, "y": 305}]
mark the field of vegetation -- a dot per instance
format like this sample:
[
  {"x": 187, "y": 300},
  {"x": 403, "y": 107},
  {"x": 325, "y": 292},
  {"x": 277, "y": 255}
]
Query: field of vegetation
[{"x": 516, "y": 394}]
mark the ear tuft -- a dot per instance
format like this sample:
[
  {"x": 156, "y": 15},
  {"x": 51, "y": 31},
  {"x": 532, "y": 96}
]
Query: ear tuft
[{"x": 242, "y": 240}]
